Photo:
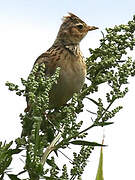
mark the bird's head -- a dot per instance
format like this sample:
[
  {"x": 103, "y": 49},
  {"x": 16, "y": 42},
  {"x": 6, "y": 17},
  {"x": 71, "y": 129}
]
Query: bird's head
[{"x": 73, "y": 29}]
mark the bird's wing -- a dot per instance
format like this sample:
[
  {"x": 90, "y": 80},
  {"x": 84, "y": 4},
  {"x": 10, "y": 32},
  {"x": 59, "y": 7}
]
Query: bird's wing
[{"x": 50, "y": 59}]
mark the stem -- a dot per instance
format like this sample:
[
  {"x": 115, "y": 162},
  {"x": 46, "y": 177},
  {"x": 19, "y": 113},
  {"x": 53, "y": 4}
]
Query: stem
[
  {"x": 36, "y": 139},
  {"x": 87, "y": 129},
  {"x": 51, "y": 147},
  {"x": 107, "y": 108}
]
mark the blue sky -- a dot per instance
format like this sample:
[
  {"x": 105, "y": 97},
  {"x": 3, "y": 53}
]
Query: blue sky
[
  {"x": 29, "y": 27},
  {"x": 103, "y": 13}
]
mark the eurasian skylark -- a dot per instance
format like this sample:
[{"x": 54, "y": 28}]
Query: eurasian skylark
[{"x": 65, "y": 53}]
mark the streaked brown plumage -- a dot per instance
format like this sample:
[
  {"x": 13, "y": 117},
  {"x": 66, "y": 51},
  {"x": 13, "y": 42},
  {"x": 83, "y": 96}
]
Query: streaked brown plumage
[{"x": 65, "y": 53}]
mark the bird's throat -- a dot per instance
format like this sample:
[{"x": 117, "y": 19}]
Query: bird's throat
[{"x": 73, "y": 48}]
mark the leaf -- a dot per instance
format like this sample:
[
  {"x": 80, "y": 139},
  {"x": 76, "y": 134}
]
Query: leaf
[
  {"x": 1, "y": 177},
  {"x": 7, "y": 146},
  {"x": 86, "y": 143},
  {"x": 13, "y": 177},
  {"x": 14, "y": 151},
  {"x": 21, "y": 172},
  {"x": 99, "y": 175},
  {"x": 104, "y": 123},
  {"x": 50, "y": 163},
  {"x": 95, "y": 102}
]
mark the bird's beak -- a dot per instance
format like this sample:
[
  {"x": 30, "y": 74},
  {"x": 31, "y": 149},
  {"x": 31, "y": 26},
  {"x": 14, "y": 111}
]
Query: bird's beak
[{"x": 91, "y": 28}]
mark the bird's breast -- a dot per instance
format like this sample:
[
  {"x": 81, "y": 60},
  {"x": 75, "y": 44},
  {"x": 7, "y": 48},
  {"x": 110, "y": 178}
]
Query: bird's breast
[
  {"x": 71, "y": 80},
  {"x": 73, "y": 73}
]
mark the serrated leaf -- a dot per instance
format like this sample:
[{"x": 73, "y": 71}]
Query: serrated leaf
[
  {"x": 86, "y": 143},
  {"x": 99, "y": 175}
]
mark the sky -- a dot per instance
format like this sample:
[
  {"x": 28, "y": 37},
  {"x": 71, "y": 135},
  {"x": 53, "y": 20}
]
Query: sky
[{"x": 28, "y": 28}]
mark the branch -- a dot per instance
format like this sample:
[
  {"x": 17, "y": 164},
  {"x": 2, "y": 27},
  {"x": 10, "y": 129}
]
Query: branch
[{"x": 51, "y": 147}]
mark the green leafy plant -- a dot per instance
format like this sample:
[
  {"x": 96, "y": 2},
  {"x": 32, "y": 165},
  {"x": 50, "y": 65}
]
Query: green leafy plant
[{"x": 53, "y": 130}]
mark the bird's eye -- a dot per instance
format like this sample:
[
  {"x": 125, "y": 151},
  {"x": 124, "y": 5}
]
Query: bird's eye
[{"x": 80, "y": 26}]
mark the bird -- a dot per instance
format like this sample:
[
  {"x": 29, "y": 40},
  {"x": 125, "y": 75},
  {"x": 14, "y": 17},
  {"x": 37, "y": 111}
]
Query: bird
[{"x": 66, "y": 54}]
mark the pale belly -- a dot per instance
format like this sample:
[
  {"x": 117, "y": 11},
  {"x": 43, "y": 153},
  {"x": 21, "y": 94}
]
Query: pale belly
[{"x": 72, "y": 77}]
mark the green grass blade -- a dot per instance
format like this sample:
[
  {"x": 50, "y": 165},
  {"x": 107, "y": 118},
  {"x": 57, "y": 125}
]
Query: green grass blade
[{"x": 100, "y": 166}]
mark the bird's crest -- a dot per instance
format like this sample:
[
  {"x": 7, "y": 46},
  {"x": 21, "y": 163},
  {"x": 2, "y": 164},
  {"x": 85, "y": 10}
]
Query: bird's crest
[{"x": 71, "y": 16}]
